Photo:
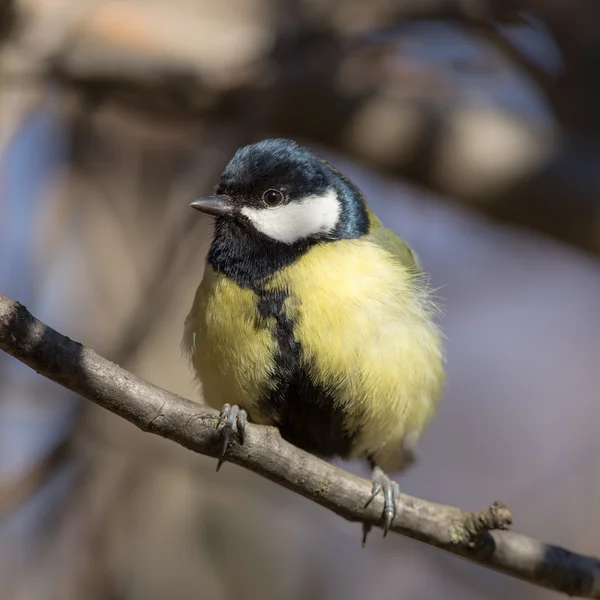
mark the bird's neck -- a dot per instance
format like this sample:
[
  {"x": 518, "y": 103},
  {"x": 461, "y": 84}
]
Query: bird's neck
[{"x": 247, "y": 257}]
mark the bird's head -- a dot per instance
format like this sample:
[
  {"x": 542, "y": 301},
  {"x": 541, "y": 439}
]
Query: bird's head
[{"x": 285, "y": 193}]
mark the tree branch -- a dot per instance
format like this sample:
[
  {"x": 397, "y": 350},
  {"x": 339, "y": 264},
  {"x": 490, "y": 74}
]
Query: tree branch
[
  {"x": 491, "y": 32},
  {"x": 155, "y": 410}
]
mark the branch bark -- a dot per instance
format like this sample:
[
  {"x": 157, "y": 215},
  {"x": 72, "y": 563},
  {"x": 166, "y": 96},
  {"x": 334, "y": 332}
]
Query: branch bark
[{"x": 154, "y": 410}]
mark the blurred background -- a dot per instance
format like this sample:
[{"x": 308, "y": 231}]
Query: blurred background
[{"x": 473, "y": 128}]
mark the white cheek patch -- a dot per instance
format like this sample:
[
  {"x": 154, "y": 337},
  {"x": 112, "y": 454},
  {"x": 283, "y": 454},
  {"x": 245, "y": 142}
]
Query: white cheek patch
[{"x": 291, "y": 222}]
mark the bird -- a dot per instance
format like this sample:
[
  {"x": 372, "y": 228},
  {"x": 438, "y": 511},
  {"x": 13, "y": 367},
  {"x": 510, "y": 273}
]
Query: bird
[{"x": 313, "y": 317}]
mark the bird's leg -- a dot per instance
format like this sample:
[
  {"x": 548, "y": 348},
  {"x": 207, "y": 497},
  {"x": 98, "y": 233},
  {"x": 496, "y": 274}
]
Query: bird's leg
[
  {"x": 229, "y": 416},
  {"x": 391, "y": 496}
]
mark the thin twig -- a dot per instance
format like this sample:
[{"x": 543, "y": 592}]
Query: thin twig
[
  {"x": 155, "y": 410},
  {"x": 496, "y": 37}
]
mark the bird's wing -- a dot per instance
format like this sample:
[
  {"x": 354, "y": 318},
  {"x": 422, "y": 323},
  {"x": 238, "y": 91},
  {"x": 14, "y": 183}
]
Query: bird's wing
[{"x": 395, "y": 245}]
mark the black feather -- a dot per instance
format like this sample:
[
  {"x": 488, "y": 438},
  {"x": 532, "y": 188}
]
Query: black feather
[{"x": 303, "y": 411}]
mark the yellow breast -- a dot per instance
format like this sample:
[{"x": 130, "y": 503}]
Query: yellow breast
[
  {"x": 364, "y": 323},
  {"x": 365, "y": 326},
  {"x": 231, "y": 347}
]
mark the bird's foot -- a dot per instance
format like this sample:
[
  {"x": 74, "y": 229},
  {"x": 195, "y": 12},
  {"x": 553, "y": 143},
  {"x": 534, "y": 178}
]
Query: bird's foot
[
  {"x": 391, "y": 497},
  {"x": 229, "y": 416}
]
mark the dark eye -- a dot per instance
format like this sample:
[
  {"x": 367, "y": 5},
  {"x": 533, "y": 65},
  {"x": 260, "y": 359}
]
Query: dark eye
[{"x": 273, "y": 197}]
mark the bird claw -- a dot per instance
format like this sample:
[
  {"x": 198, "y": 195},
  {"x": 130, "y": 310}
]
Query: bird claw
[
  {"x": 366, "y": 528},
  {"x": 230, "y": 416},
  {"x": 391, "y": 498},
  {"x": 376, "y": 489}
]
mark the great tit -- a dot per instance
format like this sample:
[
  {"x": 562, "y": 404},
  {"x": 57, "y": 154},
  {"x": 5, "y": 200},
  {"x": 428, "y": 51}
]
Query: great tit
[{"x": 313, "y": 317}]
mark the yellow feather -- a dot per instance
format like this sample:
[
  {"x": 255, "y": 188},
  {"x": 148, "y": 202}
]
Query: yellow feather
[
  {"x": 394, "y": 244},
  {"x": 363, "y": 319},
  {"x": 230, "y": 345}
]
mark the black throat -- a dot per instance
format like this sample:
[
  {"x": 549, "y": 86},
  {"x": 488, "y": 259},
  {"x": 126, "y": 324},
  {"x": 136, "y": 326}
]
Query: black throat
[{"x": 248, "y": 257}]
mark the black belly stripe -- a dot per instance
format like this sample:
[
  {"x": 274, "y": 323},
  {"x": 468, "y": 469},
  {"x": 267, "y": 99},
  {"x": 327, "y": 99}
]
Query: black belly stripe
[{"x": 303, "y": 411}]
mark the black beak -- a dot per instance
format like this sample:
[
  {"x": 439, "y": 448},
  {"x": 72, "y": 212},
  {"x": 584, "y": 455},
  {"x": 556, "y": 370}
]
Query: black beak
[{"x": 213, "y": 205}]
